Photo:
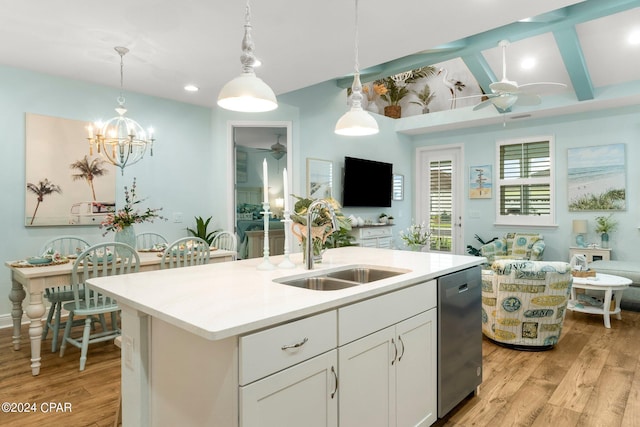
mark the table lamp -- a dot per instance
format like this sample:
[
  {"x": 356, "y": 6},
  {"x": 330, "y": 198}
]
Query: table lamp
[{"x": 580, "y": 228}]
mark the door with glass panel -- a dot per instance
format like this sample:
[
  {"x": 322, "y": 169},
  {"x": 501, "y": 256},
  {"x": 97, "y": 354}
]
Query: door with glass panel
[{"x": 439, "y": 188}]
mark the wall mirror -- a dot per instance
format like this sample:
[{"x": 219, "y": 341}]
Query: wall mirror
[
  {"x": 398, "y": 187},
  {"x": 250, "y": 144},
  {"x": 319, "y": 178}
]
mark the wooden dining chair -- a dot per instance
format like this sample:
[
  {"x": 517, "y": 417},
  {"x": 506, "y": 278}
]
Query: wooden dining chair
[
  {"x": 149, "y": 240},
  {"x": 66, "y": 246},
  {"x": 104, "y": 259},
  {"x": 227, "y": 241},
  {"x": 185, "y": 252}
]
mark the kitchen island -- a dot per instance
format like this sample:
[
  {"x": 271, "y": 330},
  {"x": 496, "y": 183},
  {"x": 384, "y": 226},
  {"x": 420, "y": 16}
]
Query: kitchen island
[{"x": 226, "y": 345}]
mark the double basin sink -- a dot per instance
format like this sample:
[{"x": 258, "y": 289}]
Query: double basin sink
[{"x": 343, "y": 278}]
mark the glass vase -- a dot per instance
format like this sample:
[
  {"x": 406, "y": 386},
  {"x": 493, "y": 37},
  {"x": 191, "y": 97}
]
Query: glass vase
[
  {"x": 604, "y": 239},
  {"x": 316, "y": 244},
  {"x": 127, "y": 235}
]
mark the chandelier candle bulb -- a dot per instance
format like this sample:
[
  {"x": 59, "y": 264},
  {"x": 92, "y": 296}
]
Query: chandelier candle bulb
[{"x": 286, "y": 189}]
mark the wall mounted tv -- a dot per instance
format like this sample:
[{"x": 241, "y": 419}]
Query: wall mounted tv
[{"x": 366, "y": 183}]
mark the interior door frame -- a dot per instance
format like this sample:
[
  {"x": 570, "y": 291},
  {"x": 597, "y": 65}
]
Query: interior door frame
[
  {"x": 231, "y": 155},
  {"x": 456, "y": 153}
]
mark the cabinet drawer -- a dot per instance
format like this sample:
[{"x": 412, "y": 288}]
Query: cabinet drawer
[
  {"x": 366, "y": 317},
  {"x": 262, "y": 353},
  {"x": 368, "y": 233}
]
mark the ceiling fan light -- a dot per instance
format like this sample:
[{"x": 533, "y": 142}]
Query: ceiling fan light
[
  {"x": 504, "y": 102},
  {"x": 356, "y": 122},
  {"x": 247, "y": 93}
]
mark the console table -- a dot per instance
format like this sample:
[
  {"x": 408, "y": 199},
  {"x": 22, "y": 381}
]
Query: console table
[
  {"x": 373, "y": 236},
  {"x": 592, "y": 254}
]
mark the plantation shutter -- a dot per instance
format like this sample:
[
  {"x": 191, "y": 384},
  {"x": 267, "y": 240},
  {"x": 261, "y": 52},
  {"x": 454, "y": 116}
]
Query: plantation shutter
[{"x": 440, "y": 204}]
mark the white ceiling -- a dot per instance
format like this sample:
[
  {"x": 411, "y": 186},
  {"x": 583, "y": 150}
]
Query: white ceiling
[{"x": 301, "y": 43}]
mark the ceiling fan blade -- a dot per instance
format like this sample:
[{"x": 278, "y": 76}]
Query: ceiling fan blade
[
  {"x": 526, "y": 99},
  {"x": 480, "y": 95},
  {"x": 483, "y": 104},
  {"x": 529, "y": 85}
]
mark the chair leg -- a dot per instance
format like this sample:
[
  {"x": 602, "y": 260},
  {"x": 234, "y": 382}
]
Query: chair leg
[
  {"x": 67, "y": 332},
  {"x": 85, "y": 342},
  {"x": 103, "y": 322},
  {"x": 48, "y": 322},
  {"x": 56, "y": 328}
]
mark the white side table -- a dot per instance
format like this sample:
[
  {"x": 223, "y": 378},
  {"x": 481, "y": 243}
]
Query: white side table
[{"x": 613, "y": 286}]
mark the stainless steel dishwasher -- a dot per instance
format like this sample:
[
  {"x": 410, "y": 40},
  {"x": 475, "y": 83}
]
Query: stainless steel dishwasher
[{"x": 459, "y": 337}]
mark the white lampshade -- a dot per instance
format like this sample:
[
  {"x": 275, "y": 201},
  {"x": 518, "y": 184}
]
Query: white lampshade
[
  {"x": 247, "y": 93},
  {"x": 356, "y": 122},
  {"x": 504, "y": 102},
  {"x": 579, "y": 226}
]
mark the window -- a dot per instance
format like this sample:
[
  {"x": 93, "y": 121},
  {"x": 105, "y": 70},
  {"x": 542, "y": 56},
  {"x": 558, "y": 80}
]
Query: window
[{"x": 525, "y": 182}]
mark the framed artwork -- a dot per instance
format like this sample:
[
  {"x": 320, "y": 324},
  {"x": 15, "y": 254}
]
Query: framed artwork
[
  {"x": 65, "y": 184},
  {"x": 241, "y": 166},
  {"x": 319, "y": 178},
  {"x": 481, "y": 182},
  {"x": 398, "y": 187},
  {"x": 597, "y": 178}
]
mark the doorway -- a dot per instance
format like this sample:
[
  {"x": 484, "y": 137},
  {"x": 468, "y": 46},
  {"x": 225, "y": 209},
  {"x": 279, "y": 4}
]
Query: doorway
[
  {"x": 439, "y": 190},
  {"x": 250, "y": 145}
]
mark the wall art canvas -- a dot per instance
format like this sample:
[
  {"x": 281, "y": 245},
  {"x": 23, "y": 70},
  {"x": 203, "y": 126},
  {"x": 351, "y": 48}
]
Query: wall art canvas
[
  {"x": 319, "y": 178},
  {"x": 480, "y": 182},
  {"x": 597, "y": 178},
  {"x": 65, "y": 185}
]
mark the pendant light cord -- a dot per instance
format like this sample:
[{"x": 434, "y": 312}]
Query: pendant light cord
[{"x": 357, "y": 65}]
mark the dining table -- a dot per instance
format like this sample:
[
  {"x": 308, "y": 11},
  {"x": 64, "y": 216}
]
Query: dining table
[{"x": 34, "y": 279}]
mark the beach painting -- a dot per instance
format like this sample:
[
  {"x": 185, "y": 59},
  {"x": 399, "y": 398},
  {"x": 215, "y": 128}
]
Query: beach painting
[
  {"x": 597, "y": 178},
  {"x": 480, "y": 182}
]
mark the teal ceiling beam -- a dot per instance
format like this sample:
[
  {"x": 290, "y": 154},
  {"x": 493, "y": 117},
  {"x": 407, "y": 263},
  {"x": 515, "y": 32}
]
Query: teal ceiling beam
[
  {"x": 574, "y": 61},
  {"x": 481, "y": 70}
]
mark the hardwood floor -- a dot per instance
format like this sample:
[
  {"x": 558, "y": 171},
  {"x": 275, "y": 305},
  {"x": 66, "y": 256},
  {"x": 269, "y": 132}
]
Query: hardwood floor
[
  {"x": 92, "y": 394},
  {"x": 591, "y": 378}
]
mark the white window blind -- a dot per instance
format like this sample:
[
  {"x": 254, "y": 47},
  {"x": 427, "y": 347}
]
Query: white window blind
[{"x": 440, "y": 205}]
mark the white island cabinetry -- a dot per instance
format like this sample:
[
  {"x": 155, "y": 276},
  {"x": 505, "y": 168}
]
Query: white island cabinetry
[{"x": 227, "y": 345}]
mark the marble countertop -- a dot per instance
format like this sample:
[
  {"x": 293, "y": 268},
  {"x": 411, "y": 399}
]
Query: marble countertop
[{"x": 217, "y": 301}]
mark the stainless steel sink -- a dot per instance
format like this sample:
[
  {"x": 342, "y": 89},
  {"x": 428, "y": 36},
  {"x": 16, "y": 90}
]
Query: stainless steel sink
[
  {"x": 366, "y": 274},
  {"x": 343, "y": 278},
  {"x": 319, "y": 283}
]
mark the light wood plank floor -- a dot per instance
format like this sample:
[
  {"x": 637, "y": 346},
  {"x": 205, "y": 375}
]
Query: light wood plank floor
[{"x": 591, "y": 378}]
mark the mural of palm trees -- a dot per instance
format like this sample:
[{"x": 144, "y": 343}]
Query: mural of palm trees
[
  {"x": 44, "y": 188},
  {"x": 88, "y": 171}
]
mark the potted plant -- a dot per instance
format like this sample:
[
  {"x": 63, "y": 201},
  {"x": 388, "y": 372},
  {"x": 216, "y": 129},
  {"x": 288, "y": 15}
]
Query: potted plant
[
  {"x": 416, "y": 236},
  {"x": 201, "y": 230},
  {"x": 425, "y": 96},
  {"x": 397, "y": 88},
  {"x": 605, "y": 225},
  {"x": 383, "y": 218},
  {"x": 390, "y": 219}
]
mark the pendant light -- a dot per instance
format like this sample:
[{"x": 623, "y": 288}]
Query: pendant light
[
  {"x": 356, "y": 121},
  {"x": 247, "y": 93}
]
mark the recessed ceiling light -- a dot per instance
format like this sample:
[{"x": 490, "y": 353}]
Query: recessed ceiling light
[
  {"x": 634, "y": 37},
  {"x": 528, "y": 63},
  {"x": 191, "y": 88}
]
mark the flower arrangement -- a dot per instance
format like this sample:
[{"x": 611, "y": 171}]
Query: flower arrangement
[
  {"x": 416, "y": 235},
  {"x": 321, "y": 224},
  {"x": 376, "y": 89},
  {"x": 129, "y": 215},
  {"x": 605, "y": 224}
]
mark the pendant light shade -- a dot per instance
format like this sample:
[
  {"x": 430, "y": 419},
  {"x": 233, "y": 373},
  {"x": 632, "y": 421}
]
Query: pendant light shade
[
  {"x": 356, "y": 122},
  {"x": 247, "y": 92}
]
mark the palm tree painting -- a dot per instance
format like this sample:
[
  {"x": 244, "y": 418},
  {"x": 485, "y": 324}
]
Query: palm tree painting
[
  {"x": 44, "y": 188},
  {"x": 88, "y": 170},
  {"x": 57, "y": 148}
]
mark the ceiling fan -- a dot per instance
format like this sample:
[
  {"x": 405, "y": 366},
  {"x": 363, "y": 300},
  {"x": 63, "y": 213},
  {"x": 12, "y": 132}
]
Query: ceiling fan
[
  {"x": 277, "y": 150},
  {"x": 507, "y": 93}
]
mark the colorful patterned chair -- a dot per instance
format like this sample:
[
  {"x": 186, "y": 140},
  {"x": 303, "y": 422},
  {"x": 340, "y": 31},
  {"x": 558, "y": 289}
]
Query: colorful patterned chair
[
  {"x": 524, "y": 303},
  {"x": 529, "y": 246}
]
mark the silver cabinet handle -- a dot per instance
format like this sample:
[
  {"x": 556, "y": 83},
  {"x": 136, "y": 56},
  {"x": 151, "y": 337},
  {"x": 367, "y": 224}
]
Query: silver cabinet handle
[
  {"x": 395, "y": 355},
  {"x": 296, "y": 345},
  {"x": 401, "y": 342},
  {"x": 335, "y": 375}
]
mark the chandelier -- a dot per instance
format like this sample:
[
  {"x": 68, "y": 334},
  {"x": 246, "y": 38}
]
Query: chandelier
[{"x": 121, "y": 140}]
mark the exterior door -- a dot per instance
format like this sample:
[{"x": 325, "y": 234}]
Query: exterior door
[{"x": 439, "y": 194}]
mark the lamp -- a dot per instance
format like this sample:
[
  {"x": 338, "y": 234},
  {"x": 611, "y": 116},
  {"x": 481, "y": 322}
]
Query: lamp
[
  {"x": 356, "y": 121},
  {"x": 121, "y": 140},
  {"x": 504, "y": 101},
  {"x": 247, "y": 93},
  {"x": 580, "y": 228}
]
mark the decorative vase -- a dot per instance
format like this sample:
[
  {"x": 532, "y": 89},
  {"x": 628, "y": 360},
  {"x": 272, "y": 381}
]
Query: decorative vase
[
  {"x": 316, "y": 249},
  {"x": 127, "y": 235},
  {"x": 318, "y": 236},
  {"x": 393, "y": 111},
  {"x": 416, "y": 248},
  {"x": 604, "y": 238},
  {"x": 373, "y": 107}
]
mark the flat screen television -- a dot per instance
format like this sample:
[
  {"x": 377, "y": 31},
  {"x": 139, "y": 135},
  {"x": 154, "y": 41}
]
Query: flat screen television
[{"x": 366, "y": 183}]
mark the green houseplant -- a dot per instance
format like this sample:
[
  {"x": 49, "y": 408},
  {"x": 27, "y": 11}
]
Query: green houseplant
[
  {"x": 605, "y": 225},
  {"x": 425, "y": 96},
  {"x": 397, "y": 88},
  {"x": 201, "y": 230}
]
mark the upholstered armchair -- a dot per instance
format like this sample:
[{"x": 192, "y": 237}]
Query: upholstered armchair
[
  {"x": 528, "y": 246},
  {"x": 524, "y": 303}
]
